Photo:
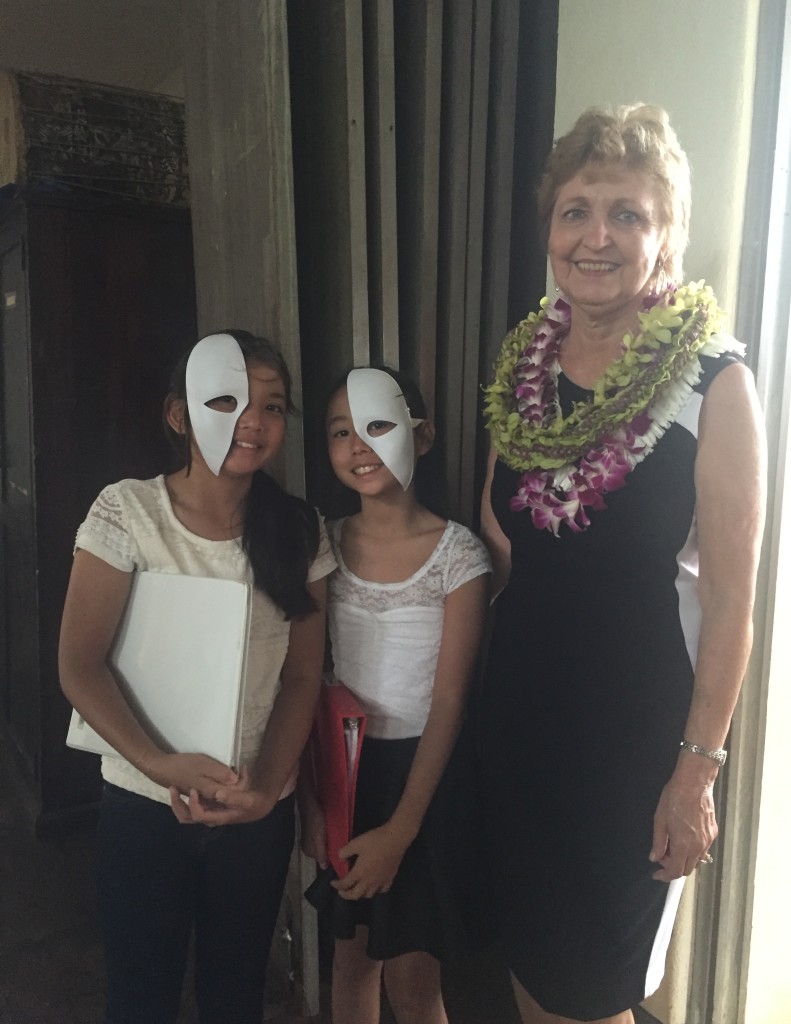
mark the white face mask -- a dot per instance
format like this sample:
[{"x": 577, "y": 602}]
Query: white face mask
[
  {"x": 375, "y": 395},
  {"x": 215, "y": 368}
]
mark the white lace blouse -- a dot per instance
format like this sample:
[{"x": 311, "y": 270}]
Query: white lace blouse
[
  {"x": 386, "y": 636},
  {"x": 132, "y": 526}
]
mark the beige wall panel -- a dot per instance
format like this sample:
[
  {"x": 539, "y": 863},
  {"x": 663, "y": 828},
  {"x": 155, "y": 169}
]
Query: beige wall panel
[{"x": 239, "y": 135}]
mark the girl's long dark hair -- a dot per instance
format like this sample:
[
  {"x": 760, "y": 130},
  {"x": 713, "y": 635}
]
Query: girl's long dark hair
[
  {"x": 281, "y": 531},
  {"x": 431, "y": 488}
]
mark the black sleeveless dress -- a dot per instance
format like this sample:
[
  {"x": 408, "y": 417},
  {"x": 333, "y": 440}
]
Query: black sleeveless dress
[{"x": 586, "y": 694}]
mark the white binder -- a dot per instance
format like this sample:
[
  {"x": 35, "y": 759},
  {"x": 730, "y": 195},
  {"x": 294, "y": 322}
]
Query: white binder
[{"x": 180, "y": 656}]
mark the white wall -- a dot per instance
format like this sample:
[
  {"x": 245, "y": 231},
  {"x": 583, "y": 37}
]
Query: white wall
[{"x": 695, "y": 60}]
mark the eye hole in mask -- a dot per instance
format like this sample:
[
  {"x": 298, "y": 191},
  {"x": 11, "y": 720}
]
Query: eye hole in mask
[
  {"x": 378, "y": 428},
  {"x": 224, "y": 403}
]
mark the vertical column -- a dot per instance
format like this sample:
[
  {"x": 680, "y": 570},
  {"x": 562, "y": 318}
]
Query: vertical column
[{"x": 239, "y": 138}]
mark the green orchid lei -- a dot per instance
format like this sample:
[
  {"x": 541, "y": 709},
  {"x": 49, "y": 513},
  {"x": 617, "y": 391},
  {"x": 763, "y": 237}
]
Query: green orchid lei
[
  {"x": 528, "y": 430},
  {"x": 568, "y": 463}
]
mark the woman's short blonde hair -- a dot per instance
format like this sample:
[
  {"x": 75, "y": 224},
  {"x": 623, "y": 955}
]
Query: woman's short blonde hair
[{"x": 640, "y": 137}]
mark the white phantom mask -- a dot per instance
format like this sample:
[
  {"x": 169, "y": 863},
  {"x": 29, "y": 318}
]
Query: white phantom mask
[
  {"x": 215, "y": 368},
  {"x": 375, "y": 395}
]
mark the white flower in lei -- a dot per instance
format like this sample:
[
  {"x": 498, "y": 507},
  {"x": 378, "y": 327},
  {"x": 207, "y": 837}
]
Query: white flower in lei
[{"x": 569, "y": 463}]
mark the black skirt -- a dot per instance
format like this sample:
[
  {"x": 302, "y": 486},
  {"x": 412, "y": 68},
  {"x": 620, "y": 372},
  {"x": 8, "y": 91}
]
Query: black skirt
[{"x": 430, "y": 906}]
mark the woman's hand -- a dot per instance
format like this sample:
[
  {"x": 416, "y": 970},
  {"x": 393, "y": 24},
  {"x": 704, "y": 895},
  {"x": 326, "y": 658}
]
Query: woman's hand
[
  {"x": 684, "y": 828},
  {"x": 377, "y": 855},
  {"x": 234, "y": 803}
]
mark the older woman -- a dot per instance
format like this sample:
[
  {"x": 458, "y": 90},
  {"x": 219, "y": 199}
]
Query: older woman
[{"x": 625, "y": 499}]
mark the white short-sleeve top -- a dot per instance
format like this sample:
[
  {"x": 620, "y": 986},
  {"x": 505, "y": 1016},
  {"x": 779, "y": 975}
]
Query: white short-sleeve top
[
  {"x": 132, "y": 526},
  {"x": 386, "y": 636}
]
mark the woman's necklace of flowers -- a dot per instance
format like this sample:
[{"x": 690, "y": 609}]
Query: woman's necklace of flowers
[{"x": 569, "y": 463}]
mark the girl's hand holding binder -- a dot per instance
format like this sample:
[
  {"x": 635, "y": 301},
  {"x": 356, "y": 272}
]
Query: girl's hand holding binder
[
  {"x": 233, "y": 804},
  {"x": 376, "y": 856}
]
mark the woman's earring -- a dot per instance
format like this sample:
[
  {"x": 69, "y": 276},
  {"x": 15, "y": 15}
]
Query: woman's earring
[{"x": 661, "y": 276}]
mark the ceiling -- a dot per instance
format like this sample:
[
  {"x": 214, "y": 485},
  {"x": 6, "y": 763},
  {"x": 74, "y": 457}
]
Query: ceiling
[{"x": 131, "y": 43}]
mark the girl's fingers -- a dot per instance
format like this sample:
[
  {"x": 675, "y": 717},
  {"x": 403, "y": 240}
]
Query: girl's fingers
[
  {"x": 179, "y": 808},
  {"x": 344, "y": 885},
  {"x": 359, "y": 891}
]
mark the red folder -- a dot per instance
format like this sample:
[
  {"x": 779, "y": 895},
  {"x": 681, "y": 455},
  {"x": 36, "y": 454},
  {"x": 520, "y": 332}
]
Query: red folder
[{"x": 335, "y": 753}]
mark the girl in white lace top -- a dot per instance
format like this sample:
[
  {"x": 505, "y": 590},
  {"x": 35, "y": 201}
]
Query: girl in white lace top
[
  {"x": 406, "y": 611},
  {"x": 184, "y": 842}
]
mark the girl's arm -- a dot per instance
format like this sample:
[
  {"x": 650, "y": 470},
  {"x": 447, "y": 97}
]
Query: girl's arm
[
  {"x": 379, "y": 852},
  {"x": 95, "y": 602},
  {"x": 729, "y": 478},
  {"x": 286, "y": 732},
  {"x": 493, "y": 537}
]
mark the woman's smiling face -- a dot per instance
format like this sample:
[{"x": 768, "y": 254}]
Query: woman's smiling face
[{"x": 606, "y": 237}]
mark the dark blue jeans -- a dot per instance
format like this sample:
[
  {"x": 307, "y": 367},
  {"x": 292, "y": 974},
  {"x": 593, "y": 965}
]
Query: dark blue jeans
[{"x": 159, "y": 881}]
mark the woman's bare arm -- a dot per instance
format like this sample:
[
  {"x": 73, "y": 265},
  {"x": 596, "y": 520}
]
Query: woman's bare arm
[{"x": 730, "y": 482}]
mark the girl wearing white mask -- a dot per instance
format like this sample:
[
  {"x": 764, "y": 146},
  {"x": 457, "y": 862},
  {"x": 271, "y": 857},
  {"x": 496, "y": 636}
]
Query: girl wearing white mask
[
  {"x": 220, "y": 515},
  {"x": 406, "y": 611}
]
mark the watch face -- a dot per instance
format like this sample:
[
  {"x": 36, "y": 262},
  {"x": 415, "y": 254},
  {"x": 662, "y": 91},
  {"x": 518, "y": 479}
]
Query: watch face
[
  {"x": 215, "y": 369},
  {"x": 376, "y": 398}
]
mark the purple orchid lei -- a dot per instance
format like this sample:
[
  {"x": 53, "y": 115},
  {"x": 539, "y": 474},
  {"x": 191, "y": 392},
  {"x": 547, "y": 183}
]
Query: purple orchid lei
[
  {"x": 604, "y": 468},
  {"x": 656, "y": 388}
]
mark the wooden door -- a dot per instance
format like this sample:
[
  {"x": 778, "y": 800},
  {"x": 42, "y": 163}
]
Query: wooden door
[{"x": 112, "y": 307}]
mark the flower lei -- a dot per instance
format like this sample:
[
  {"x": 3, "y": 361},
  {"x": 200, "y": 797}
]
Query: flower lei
[{"x": 569, "y": 463}]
